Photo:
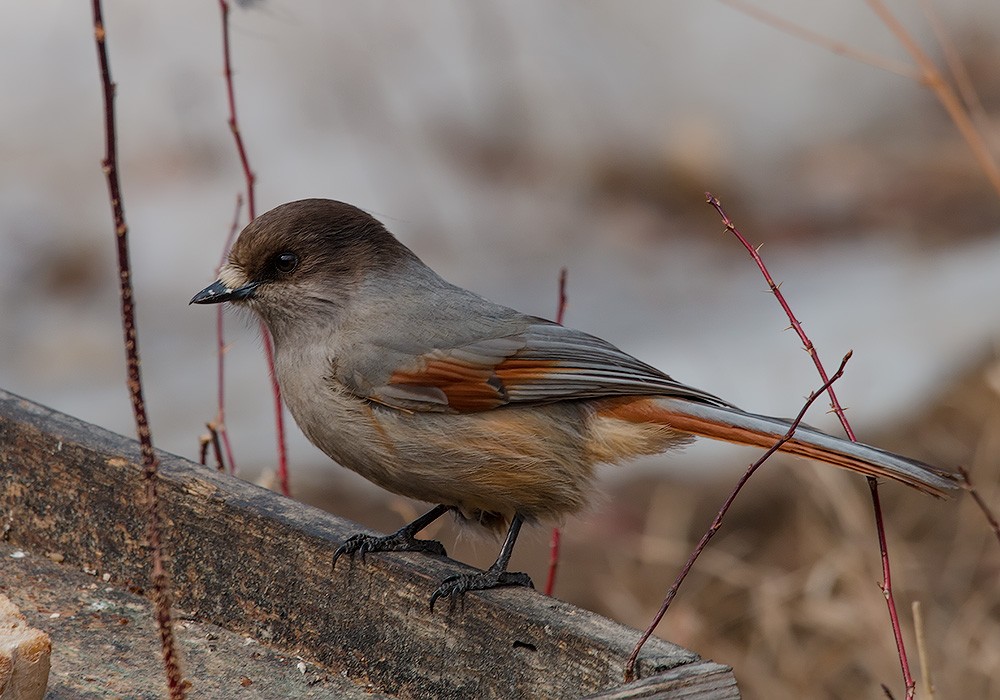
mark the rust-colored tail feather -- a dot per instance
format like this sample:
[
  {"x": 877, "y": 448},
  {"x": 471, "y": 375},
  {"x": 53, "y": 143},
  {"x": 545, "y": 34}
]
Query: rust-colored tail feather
[{"x": 733, "y": 425}]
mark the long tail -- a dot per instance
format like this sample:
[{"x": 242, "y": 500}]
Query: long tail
[{"x": 733, "y": 425}]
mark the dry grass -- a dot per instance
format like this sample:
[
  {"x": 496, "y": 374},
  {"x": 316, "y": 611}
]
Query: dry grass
[{"x": 787, "y": 593}]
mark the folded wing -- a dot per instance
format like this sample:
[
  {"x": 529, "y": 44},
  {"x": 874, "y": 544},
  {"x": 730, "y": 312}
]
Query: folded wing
[{"x": 543, "y": 363}]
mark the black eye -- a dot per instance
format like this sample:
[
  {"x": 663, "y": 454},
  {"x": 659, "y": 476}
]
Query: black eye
[{"x": 285, "y": 262}]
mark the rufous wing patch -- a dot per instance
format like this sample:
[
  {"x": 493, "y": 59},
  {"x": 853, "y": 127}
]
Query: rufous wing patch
[
  {"x": 473, "y": 387},
  {"x": 467, "y": 387},
  {"x": 514, "y": 370}
]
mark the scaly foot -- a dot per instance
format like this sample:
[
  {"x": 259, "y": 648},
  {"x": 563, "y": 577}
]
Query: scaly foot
[
  {"x": 368, "y": 544},
  {"x": 402, "y": 540},
  {"x": 455, "y": 586}
]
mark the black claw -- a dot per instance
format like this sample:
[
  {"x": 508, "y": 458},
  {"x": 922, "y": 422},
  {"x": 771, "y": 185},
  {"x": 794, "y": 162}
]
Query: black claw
[
  {"x": 455, "y": 586},
  {"x": 402, "y": 540},
  {"x": 367, "y": 544}
]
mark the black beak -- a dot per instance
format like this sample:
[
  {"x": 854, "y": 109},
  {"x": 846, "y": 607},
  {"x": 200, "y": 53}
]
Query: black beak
[{"x": 218, "y": 292}]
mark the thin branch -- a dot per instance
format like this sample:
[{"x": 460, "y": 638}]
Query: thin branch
[
  {"x": 932, "y": 77},
  {"x": 561, "y": 311},
  {"x": 211, "y": 438},
  {"x": 234, "y": 124},
  {"x": 838, "y": 47},
  {"x": 251, "y": 178},
  {"x": 279, "y": 414},
  {"x": 159, "y": 578},
  {"x": 925, "y": 72},
  {"x": 983, "y": 506},
  {"x": 956, "y": 66},
  {"x": 886, "y": 587},
  {"x": 807, "y": 344},
  {"x": 717, "y": 522},
  {"x": 220, "y": 416},
  {"x": 886, "y": 584},
  {"x": 926, "y": 682},
  {"x": 554, "y": 546}
]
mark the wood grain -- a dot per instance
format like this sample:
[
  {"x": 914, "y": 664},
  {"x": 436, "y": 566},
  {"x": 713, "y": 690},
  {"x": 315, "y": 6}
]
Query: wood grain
[{"x": 259, "y": 564}]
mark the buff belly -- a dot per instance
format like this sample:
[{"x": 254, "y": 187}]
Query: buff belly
[{"x": 535, "y": 460}]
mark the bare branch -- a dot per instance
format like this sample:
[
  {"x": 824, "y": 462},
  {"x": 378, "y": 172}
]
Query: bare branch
[
  {"x": 220, "y": 416},
  {"x": 983, "y": 506},
  {"x": 932, "y": 77},
  {"x": 717, "y": 522},
  {"x": 926, "y": 682},
  {"x": 160, "y": 580},
  {"x": 556, "y": 541},
  {"x": 838, "y": 47},
  {"x": 838, "y": 409},
  {"x": 251, "y": 179}
]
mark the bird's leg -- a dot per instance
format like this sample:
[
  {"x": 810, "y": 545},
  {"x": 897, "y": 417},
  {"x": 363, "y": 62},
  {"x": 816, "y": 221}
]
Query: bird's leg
[
  {"x": 494, "y": 577},
  {"x": 402, "y": 540}
]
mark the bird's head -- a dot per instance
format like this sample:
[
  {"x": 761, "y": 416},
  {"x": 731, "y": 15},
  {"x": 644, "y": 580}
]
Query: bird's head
[{"x": 301, "y": 261}]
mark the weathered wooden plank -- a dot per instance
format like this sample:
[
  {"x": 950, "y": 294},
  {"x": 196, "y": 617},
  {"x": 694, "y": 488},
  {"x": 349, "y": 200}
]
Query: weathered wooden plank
[
  {"x": 25, "y": 655},
  {"x": 705, "y": 681},
  {"x": 260, "y": 564},
  {"x": 105, "y": 644}
]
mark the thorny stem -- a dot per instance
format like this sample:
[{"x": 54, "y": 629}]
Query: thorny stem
[
  {"x": 775, "y": 289},
  {"x": 987, "y": 512},
  {"x": 279, "y": 415},
  {"x": 717, "y": 522},
  {"x": 234, "y": 125},
  {"x": 159, "y": 578},
  {"x": 554, "y": 546},
  {"x": 886, "y": 584},
  {"x": 220, "y": 430},
  {"x": 211, "y": 438}
]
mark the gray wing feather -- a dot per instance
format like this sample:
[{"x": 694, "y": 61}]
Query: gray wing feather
[{"x": 576, "y": 366}]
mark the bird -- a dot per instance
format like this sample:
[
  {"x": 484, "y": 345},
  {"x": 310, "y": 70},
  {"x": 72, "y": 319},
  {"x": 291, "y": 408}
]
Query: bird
[{"x": 433, "y": 392}]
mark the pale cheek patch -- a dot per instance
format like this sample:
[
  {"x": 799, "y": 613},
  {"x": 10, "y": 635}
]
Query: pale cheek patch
[{"x": 232, "y": 276}]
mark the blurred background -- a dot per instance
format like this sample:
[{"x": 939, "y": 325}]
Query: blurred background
[{"x": 503, "y": 141}]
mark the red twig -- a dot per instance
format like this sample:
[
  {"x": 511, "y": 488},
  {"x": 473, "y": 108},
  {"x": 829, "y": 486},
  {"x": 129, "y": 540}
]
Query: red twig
[
  {"x": 211, "y": 438},
  {"x": 279, "y": 415},
  {"x": 806, "y": 342},
  {"x": 550, "y": 582},
  {"x": 234, "y": 125},
  {"x": 886, "y": 585},
  {"x": 220, "y": 416},
  {"x": 159, "y": 579},
  {"x": 717, "y": 522},
  {"x": 561, "y": 311},
  {"x": 983, "y": 506}
]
